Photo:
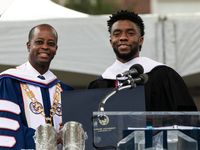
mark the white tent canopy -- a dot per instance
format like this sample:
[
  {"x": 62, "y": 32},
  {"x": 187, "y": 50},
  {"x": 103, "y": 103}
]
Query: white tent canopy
[
  {"x": 182, "y": 42},
  {"x": 4, "y": 4},
  {"x": 23, "y": 10}
]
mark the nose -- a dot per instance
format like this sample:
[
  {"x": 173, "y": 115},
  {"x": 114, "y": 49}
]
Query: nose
[
  {"x": 123, "y": 37},
  {"x": 45, "y": 46}
]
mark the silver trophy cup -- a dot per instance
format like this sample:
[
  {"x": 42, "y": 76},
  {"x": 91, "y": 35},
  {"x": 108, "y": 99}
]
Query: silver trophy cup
[
  {"x": 46, "y": 137},
  {"x": 73, "y": 136}
]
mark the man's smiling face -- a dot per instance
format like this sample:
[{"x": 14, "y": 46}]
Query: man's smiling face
[
  {"x": 42, "y": 46},
  {"x": 125, "y": 40}
]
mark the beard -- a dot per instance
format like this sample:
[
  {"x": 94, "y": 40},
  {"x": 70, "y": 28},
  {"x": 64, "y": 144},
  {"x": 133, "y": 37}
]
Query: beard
[{"x": 127, "y": 56}]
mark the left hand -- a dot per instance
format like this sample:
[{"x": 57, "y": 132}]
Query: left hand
[{"x": 59, "y": 140}]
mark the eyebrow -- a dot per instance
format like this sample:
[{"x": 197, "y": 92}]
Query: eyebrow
[
  {"x": 116, "y": 30},
  {"x": 43, "y": 39},
  {"x": 130, "y": 29}
]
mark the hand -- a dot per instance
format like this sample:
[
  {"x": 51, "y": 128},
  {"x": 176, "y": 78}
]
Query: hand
[
  {"x": 59, "y": 140},
  {"x": 61, "y": 126}
]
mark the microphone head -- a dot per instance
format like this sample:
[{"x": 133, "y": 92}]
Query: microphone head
[
  {"x": 138, "y": 67},
  {"x": 119, "y": 75},
  {"x": 144, "y": 78}
]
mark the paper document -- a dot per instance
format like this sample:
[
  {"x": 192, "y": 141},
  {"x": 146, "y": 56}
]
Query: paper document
[{"x": 165, "y": 128}]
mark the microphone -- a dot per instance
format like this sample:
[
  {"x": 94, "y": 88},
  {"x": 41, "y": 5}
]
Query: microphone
[
  {"x": 141, "y": 79},
  {"x": 133, "y": 71}
]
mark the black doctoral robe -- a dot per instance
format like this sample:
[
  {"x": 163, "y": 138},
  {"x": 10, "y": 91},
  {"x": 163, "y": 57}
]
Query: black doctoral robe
[{"x": 165, "y": 90}]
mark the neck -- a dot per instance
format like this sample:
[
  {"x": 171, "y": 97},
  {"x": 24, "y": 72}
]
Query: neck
[
  {"x": 42, "y": 69},
  {"x": 125, "y": 60}
]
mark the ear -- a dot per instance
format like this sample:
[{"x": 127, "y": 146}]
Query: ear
[
  {"x": 28, "y": 46},
  {"x": 141, "y": 40},
  {"x": 111, "y": 42},
  {"x": 56, "y": 49}
]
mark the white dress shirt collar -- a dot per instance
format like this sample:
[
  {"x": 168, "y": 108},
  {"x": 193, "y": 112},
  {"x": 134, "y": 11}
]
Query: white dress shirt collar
[{"x": 35, "y": 73}]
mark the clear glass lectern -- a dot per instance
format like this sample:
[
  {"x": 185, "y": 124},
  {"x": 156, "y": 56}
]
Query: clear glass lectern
[{"x": 146, "y": 130}]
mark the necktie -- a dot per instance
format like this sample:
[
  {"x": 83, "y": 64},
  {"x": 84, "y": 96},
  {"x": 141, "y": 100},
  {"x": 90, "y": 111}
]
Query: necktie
[{"x": 41, "y": 77}]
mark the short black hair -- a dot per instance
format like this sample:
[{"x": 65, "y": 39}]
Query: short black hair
[
  {"x": 30, "y": 35},
  {"x": 126, "y": 15}
]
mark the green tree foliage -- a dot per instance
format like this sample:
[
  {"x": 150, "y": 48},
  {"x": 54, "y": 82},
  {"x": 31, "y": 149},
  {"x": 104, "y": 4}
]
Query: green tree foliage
[
  {"x": 93, "y": 6},
  {"x": 96, "y": 7}
]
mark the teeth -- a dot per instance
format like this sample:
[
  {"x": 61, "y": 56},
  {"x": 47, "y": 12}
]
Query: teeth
[{"x": 44, "y": 54}]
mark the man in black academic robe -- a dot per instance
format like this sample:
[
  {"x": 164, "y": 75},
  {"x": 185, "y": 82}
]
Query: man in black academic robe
[{"x": 165, "y": 90}]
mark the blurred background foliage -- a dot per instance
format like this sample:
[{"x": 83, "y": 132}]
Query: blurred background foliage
[{"x": 97, "y": 7}]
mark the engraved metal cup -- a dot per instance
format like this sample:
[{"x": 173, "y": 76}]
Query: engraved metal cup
[
  {"x": 73, "y": 136},
  {"x": 46, "y": 137}
]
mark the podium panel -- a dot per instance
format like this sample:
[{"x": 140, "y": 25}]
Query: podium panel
[
  {"x": 112, "y": 130},
  {"x": 79, "y": 105}
]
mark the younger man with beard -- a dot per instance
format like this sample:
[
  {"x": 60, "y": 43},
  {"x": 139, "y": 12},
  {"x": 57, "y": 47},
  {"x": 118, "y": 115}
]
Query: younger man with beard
[{"x": 165, "y": 90}]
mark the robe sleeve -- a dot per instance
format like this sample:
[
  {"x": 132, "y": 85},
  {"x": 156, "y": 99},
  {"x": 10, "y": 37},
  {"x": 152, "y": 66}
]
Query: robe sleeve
[
  {"x": 101, "y": 83},
  {"x": 14, "y": 132},
  {"x": 66, "y": 87},
  {"x": 166, "y": 91}
]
